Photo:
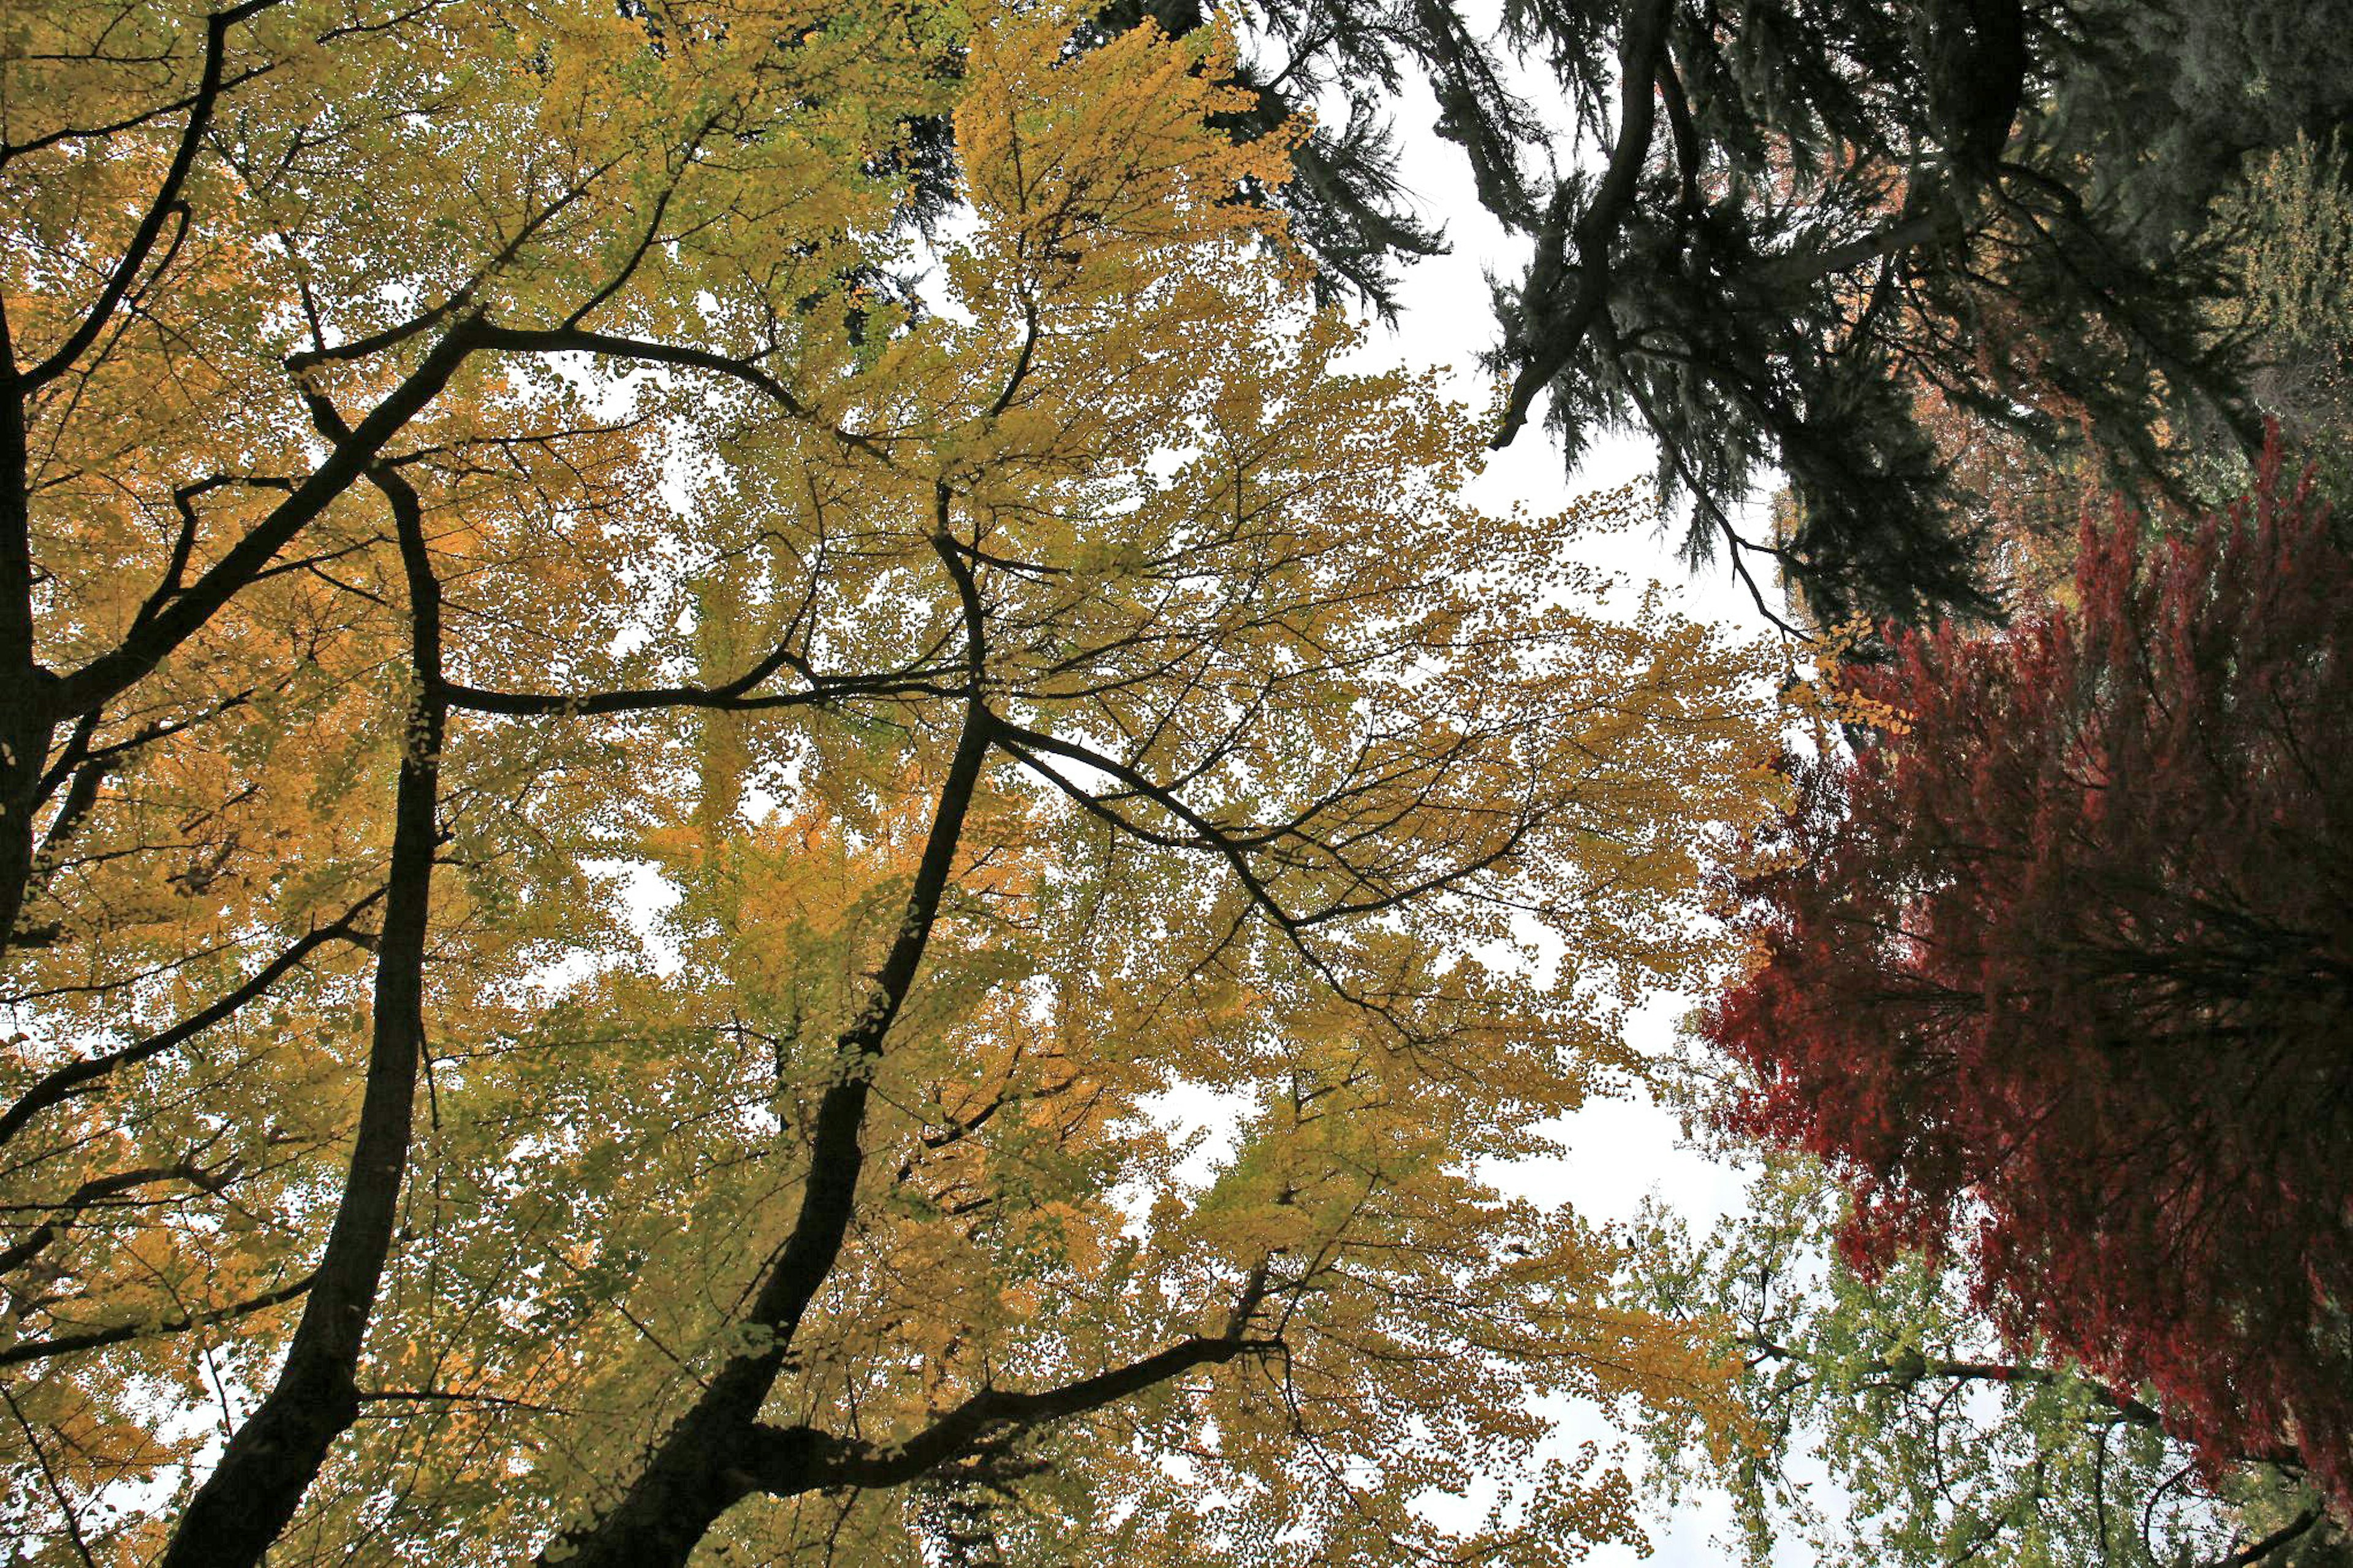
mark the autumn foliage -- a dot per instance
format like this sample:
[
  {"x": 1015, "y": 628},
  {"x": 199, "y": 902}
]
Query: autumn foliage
[
  {"x": 2059, "y": 972},
  {"x": 637, "y": 793}
]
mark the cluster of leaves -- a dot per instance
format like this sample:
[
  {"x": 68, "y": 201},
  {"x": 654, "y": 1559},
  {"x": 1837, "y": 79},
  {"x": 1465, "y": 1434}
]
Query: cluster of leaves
[
  {"x": 1076, "y": 696},
  {"x": 2291, "y": 225},
  {"x": 2056, "y": 975},
  {"x": 1889, "y": 1424}
]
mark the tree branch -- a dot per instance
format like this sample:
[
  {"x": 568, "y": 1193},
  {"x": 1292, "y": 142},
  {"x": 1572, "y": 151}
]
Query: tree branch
[
  {"x": 684, "y": 1487},
  {"x": 76, "y": 1077},
  {"x": 576, "y": 339},
  {"x": 99, "y": 1188},
  {"x": 786, "y": 1461},
  {"x": 1597, "y": 229},
  {"x": 97, "y": 1338},
  {"x": 159, "y": 211},
  {"x": 354, "y": 454},
  {"x": 2256, "y": 1550}
]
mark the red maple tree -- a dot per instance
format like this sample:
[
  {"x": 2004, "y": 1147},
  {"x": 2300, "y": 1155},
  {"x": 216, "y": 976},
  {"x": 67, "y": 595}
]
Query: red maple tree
[{"x": 2060, "y": 974}]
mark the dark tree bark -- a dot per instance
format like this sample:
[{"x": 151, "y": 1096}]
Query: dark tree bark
[{"x": 273, "y": 1456}]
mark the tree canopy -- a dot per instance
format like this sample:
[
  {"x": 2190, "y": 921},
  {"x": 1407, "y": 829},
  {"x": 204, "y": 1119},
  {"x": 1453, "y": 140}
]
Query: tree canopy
[
  {"x": 1041, "y": 700},
  {"x": 1889, "y": 1424},
  {"x": 2055, "y": 973},
  {"x": 1811, "y": 234}
]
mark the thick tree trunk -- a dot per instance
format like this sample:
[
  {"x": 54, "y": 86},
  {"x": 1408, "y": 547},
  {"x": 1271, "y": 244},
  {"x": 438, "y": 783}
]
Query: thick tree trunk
[
  {"x": 25, "y": 735},
  {"x": 25, "y": 723},
  {"x": 273, "y": 1456}
]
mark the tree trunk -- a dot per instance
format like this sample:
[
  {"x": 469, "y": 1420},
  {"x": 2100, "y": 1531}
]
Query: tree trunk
[{"x": 273, "y": 1456}]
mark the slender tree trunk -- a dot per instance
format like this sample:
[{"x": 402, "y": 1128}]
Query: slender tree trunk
[{"x": 273, "y": 1456}]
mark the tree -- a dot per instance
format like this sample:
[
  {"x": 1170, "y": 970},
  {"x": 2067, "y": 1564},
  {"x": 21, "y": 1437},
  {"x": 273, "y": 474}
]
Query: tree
[
  {"x": 1041, "y": 706},
  {"x": 1811, "y": 224},
  {"x": 2055, "y": 973},
  {"x": 1941, "y": 1444},
  {"x": 216, "y": 327}
]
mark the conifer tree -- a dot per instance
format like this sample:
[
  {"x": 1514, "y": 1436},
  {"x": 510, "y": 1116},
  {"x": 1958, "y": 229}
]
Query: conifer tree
[{"x": 1811, "y": 230}]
